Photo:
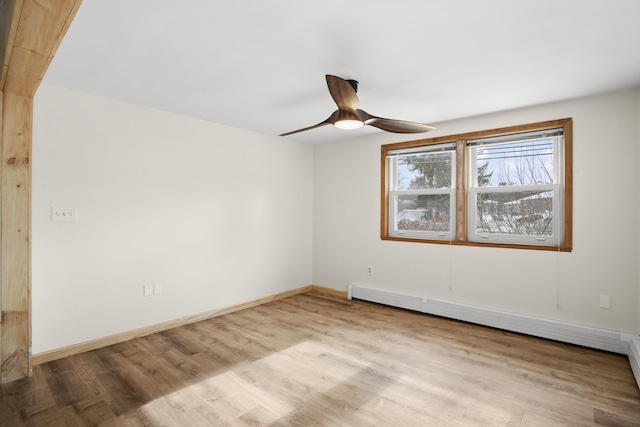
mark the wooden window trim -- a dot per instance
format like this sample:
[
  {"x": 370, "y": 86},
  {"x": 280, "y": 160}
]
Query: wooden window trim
[{"x": 460, "y": 140}]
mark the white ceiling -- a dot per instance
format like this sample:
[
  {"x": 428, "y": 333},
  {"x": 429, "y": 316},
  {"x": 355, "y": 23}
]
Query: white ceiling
[{"x": 260, "y": 65}]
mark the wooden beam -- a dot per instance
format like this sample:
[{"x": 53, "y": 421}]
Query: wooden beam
[
  {"x": 34, "y": 30},
  {"x": 9, "y": 36},
  {"x": 40, "y": 28}
]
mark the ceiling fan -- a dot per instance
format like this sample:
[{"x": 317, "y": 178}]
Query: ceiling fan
[{"x": 349, "y": 116}]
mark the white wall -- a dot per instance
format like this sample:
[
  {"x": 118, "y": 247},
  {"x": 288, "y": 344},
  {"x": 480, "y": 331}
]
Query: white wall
[
  {"x": 218, "y": 215},
  {"x": 221, "y": 216},
  {"x": 638, "y": 190},
  {"x": 553, "y": 285}
]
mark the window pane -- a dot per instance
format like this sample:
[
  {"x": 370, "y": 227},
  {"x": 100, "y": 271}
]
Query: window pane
[
  {"x": 423, "y": 212},
  {"x": 516, "y": 163},
  {"x": 524, "y": 213},
  {"x": 424, "y": 171}
]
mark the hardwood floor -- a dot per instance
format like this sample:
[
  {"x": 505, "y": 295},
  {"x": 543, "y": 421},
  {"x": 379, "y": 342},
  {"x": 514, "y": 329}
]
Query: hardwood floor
[{"x": 316, "y": 360}]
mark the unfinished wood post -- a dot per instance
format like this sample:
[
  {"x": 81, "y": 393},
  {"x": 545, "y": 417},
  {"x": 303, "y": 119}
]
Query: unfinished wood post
[{"x": 15, "y": 344}]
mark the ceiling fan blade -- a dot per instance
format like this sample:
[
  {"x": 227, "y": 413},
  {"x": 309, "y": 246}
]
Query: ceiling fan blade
[
  {"x": 331, "y": 120},
  {"x": 342, "y": 93},
  {"x": 392, "y": 125}
]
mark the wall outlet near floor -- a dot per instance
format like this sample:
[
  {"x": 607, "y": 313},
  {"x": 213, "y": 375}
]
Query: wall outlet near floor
[
  {"x": 605, "y": 301},
  {"x": 370, "y": 270}
]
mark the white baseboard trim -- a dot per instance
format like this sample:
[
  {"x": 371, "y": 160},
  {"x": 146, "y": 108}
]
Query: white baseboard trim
[{"x": 601, "y": 339}]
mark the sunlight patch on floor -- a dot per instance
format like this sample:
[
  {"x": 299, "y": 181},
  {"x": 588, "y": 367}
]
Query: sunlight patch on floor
[{"x": 258, "y": 390}]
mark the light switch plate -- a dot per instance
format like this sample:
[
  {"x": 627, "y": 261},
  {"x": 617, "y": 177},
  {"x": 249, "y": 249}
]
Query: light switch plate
[{"x": 64, "y": 214}]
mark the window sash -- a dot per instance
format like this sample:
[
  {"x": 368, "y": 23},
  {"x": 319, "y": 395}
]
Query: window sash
[
  {"x": 556, "y": 175},
  {"x": 395, "y": 194},
  {"x": 394, "y": 197},
  {"x": 555, "y": 189},
  {"x": 395, "y": 168},
  {"x": 518, "y": 218}
]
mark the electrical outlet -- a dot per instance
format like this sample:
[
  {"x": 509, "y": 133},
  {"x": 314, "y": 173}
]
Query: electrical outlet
[
  {"x": 157, "y": 288},
  {"x": 64, "y": 214},
  {"x": 370, "y": 270},
  {"x": 147, "y": 289},
  {"x": 605, "y": 301}
]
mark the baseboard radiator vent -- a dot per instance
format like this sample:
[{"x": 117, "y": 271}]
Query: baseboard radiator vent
[
  {"x": 602, "y": 339},
  {"x": 393, "y": 299},
  {"x": 634, "y": 358}
]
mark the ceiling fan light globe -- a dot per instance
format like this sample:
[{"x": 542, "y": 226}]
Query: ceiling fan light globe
[{"x": 348, "y": 124}]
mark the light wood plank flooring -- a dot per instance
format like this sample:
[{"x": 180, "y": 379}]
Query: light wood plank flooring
[{"x": 318, "y": 360}]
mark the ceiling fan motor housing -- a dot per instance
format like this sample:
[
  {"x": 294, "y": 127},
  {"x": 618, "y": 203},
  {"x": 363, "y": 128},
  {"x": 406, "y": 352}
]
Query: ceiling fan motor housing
[{"x": 354, "y": 85}]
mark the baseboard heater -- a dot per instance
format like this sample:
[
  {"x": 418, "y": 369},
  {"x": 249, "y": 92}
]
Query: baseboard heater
[
  {"x": 602, "y": 339},
  {"x": 634, "y": 358}
]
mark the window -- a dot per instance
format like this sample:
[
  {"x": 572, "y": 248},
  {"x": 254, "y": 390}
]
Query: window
[
  {"x": 505, "y": 187},
  {"x": 422, "y": 192}
]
